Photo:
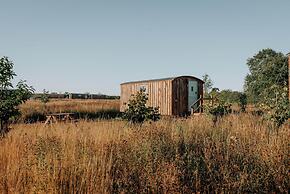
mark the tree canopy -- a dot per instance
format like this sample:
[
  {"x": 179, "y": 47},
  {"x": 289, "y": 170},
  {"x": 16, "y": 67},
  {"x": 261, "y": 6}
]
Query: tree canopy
[
  {"x": 267, "y": 68},
  {"x": 10, "y": 97},
  {"x": 208, "y": 83},
  {"x": 267, "y": 84}
]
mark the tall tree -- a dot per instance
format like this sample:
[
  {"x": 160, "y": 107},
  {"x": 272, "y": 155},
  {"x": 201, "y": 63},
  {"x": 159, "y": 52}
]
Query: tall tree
[
  {"x": 267, "y": 68},
  {"x": 267, "y": 84},
  {"x": 10, "y": 97},
  {"x": 208, "y": 83}
]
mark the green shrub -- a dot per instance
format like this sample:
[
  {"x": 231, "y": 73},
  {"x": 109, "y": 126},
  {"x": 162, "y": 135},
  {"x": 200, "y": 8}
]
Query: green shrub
[
  {"x": 44, "y": 98},
  {"x": 243, "y": 102},
  {"x": 276, "y": 105},
  {"x": 218, "y": 110},
  {"x": 138, "y": 112}
]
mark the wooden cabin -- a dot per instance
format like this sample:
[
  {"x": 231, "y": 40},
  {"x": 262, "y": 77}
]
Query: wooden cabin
[{"x": 176, "y": 96}]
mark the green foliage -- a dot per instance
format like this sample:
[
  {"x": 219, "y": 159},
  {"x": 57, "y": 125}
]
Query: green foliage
[
  {"x": 267, "y": 84},
  {"x": 266, "y": 68},
  {"x": 218, "y": 109},
  {"x": 44, "y": 98},
  {"x": 243, "y": 101},
  {"x": 276, "y": 105},
  {"x": 234, "y": 97},
  {"x": 208, "y": 83},
  {"x": 10, "y": 97},
  {"x": 230, "y": 96},
  {"x": 138, "y": 112}
]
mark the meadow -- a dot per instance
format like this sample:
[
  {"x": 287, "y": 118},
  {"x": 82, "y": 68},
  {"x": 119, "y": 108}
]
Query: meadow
[
  {"x": 35, "y": 110},
  {"x": 240, "y": 154}
]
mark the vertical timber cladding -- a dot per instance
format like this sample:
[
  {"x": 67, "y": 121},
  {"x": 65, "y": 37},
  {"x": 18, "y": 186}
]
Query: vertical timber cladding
[
  {"x": 159, "y": 94},
  {"x": 180, "y": 94},
  {"x": 169, "y": 94}
]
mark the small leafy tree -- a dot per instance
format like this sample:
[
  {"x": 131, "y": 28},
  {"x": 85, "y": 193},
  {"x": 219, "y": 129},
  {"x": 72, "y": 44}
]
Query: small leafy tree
[
  {"x": 10, "y": 97},
  {"x": 218, "y": 108},
  {"x": 138, "y": 112},
  {"x": 208, "y": 83},
  {"x": 276, "y": 105},
  {"x": 44, "y": 98},
  {"x": 243, "y": 102}
]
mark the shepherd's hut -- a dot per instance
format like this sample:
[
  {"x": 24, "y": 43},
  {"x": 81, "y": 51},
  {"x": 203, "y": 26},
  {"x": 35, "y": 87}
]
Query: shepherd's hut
[{"x": 175, "y": 96}]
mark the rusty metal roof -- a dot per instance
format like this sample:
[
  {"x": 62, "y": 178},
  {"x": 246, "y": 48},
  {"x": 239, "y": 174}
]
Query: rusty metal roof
[{"x": 161, "y": 79}]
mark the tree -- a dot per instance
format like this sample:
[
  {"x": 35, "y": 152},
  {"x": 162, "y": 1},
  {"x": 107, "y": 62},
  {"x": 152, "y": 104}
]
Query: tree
[
  {"x": 229, "y": 96},
  {"x": 267, "y": 84},
  {"x": 243, "y": 102},
  {"x": 138, "y": 112},
  {"x": 44, "y": 98},
  {"x": 267, "y": 68},
  {"x": 276, "y": 104},
  {"x": 207, "y": 84},
  {"x": 217, "y": 109},
  {"x": 10, "y": 97}
]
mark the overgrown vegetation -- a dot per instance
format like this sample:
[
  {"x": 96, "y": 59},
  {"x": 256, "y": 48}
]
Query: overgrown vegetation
[
  {"x": 170, "y": 156},
  {"x": 267, "y": 85},
  {"x": 137, "y": 110},
  {"x": 10, "y": 97},
  {"x": 44, "y": 98},
  {"x": 208, "y": 83},
  {"x": 35, "y": 111}
]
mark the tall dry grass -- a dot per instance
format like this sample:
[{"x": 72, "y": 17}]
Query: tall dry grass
[
  {"x": 67, "y": 105},
  {"x": 239, "y": 155},
  {"x": 34, "y": 110}
]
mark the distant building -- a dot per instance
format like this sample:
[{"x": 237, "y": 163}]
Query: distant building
[{"x": 174, "y": 96}]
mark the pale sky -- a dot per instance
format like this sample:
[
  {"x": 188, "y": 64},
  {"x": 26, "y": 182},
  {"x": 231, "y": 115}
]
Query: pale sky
[{"x": 93, "y": 46}]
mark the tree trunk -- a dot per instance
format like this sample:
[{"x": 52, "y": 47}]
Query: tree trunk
[{"x": 3, "y": 127}]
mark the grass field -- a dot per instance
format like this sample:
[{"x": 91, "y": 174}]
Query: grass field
[
  {"x": 238, "y": 155},
  {"x": 35, "y": 110}
]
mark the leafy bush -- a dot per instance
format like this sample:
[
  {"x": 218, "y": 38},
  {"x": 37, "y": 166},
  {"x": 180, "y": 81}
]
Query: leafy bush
[
  {"x": 44, "y": 98},
  {"x": 138, "y": 112},
  {"x": 276, "y": 105},
  {"x": 243, "y": 102},
  {"x": 10, "y": 97},
  {"x": 218, "y": 110}
]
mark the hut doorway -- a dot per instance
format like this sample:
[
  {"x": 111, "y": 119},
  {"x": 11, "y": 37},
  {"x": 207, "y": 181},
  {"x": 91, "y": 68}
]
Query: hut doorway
[{"x": 192, "y": 94}]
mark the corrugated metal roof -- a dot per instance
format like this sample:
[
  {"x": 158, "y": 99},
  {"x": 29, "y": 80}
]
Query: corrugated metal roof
[{"x": 161, "y": 79}]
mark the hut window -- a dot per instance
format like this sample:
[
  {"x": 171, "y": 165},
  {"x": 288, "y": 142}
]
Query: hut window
[{"x": 143, "y": 87}]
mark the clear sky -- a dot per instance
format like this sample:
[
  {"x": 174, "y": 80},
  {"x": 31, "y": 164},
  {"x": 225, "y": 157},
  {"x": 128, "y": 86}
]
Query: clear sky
[{"x": 93, "y": 46}]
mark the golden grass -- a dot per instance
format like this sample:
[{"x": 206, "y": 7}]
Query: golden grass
[
  {"x": 35, "y": 110},
  {"x": 239, "y": 155},
  {"x": 56, "y": 106}
]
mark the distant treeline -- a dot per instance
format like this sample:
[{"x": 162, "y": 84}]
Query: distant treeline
[
  {"x": 230, "y": 96},
  {"x": 74, "y": 96}
]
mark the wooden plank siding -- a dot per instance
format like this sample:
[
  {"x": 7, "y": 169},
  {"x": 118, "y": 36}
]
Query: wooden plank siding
[
  {"x": 170, "y": 94},
  {"x": 158, "y": 94}
]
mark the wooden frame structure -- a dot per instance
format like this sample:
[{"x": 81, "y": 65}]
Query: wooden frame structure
[{"x": 59, "y": 117}]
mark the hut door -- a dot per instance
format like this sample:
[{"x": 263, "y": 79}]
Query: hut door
[{"x": 192, "y": 93}]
